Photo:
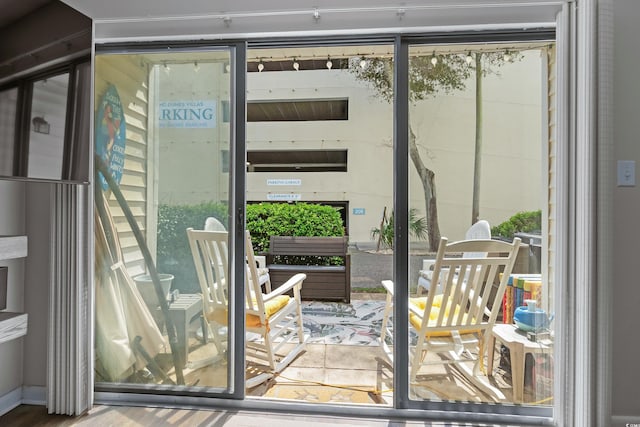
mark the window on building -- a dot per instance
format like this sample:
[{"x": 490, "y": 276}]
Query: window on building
[
  {"x": 297, "y": 161},
  {"x": 298, "y": 110}
]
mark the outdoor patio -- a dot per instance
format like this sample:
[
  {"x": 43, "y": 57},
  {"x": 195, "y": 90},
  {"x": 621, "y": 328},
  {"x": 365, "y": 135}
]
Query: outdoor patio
[{"x": 344, "y": 363}]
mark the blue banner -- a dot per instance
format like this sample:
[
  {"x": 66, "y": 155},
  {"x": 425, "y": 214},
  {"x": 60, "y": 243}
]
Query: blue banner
[{"x": 111, "y": 136}]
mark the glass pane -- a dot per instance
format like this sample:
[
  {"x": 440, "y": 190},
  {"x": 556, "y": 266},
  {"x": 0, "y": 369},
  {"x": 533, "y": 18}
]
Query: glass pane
[
  {"x": 47, "y": 127},
  {"x": 320, "y": 165},
  {"x": 8, "y": 111},
  {"x": 160, "y": 135},
  {"x": 479, "y": 136}
]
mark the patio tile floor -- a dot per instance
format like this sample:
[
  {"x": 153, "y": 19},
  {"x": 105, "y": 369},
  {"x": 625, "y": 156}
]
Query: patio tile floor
[{"x": 362, "y": 368}]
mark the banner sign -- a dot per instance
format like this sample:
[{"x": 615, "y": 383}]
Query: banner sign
[
  {"x": 188, "y": 114},
  {"x": 111, "y": 135}
]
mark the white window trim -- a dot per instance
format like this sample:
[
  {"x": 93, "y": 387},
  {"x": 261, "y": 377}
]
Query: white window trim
[
  {"x": 583, "y": 385},
  {"x": 580, "y": 217}
]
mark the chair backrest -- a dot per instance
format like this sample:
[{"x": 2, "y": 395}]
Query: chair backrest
[
  {"x": 468, "y": 301},
  {"x": 481, "y": 230},
  {"x": 213, "y": 224},
  {"x": 254, "y": 303},
  {"x": 210, "y": 256}
]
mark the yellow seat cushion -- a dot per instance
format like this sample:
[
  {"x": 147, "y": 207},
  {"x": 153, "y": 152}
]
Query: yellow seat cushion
[
  {"x": 421, "y": 303},
  {"x": 271, "y": 307}
]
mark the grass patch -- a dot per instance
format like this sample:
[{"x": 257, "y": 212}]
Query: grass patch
[{"x": 374, "y": 290}]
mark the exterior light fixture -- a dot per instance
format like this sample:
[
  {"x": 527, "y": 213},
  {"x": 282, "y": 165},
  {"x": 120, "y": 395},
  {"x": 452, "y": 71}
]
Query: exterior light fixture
[
  {"x": 196, "y": 67},
  {"x": 296, "y": 65},
  {"x": 329, "y": 63},
  {"x": 167, "y": 69},
  {"x": 507, "y": 56},
  {"x": 260, "y": 66},
  {"x": 40, "y": 125},
  {"x": 363, "y": 63},
  {"x": 434, "y": 59}
]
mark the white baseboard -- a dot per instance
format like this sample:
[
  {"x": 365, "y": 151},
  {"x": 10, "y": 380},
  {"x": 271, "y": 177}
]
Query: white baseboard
[
  {"x": 34, "y": 395},
  {"x": 10, "y": 400},
  {"x": 23, "y": 395}
]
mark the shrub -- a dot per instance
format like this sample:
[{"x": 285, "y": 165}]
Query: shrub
[
  {"x": 520, "y": 222},
  {"x": 417, "y": 228},
  {"x": 263, "y": 221},
  {"x": 174, "y": 254},
  {"x": 293, "y": 219}
]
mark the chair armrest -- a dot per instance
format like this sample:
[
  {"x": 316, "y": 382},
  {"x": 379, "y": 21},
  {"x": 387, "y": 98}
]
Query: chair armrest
[
  {"x": 294, "y": 281},
  {"x": 261, "y": 260},
  {"x": 388, "y": 286},
  {"x": 415, "y": 310}
]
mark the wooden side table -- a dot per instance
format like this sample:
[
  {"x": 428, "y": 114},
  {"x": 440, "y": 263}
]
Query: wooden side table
[
  {"x": 182, "y": 312},
  {"x": 519, "y": 345}
]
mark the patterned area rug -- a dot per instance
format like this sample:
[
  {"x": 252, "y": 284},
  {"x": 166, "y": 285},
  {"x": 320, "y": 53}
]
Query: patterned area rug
[{"x": 357, "y": 323}]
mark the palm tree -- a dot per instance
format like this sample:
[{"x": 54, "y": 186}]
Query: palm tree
[{"x": 417, "y": 228}]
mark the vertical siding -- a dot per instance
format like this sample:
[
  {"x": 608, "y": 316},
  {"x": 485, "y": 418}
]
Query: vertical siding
[
  {"x": 550, "y": 216},
  {"x": 130, "y": 77}
]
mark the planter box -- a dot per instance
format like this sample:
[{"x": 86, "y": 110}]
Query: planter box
[{"x": 332, "y": 283}]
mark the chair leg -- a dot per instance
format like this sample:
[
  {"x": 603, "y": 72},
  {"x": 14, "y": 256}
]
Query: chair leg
[
  {"x": 301, "y": 337},
  {"x": 218, "y": 342},
  {"x": 385, "y": 329},
  {"x": 470, "y": 374}
]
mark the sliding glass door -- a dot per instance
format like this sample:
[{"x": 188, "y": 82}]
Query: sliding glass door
[
  {"x": 163, "y": 137},
  {"x": 479, "y": 146},
  {"x": 404, "y": 142}
]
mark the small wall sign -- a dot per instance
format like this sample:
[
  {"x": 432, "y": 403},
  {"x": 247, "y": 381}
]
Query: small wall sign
[
  {"x": 358, "y": 211},
  {"x": 284, "y": 182},
  {"x": 284, "y": 197}
]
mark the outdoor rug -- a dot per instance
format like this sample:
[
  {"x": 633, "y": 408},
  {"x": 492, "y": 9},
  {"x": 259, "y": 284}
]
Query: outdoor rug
[{"x": 357, "y": 323}]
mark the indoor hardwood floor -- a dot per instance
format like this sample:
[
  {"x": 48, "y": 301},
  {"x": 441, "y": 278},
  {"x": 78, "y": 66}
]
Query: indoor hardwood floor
[{"x": 124, "y": 416}]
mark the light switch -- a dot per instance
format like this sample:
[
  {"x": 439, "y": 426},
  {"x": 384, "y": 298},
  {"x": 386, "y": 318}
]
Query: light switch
[{"x": 626, "y": 173}]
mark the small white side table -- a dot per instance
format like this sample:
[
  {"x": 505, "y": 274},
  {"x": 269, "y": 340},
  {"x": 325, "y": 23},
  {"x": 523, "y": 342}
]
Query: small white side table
[{"x": 519, "y": 345}]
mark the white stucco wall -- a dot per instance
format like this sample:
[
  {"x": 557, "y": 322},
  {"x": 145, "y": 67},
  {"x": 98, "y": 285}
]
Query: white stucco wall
[{"x": 444, "y": 125}]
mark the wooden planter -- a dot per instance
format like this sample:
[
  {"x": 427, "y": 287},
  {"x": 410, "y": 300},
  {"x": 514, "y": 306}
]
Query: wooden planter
[{"x": 331, "y": 283}]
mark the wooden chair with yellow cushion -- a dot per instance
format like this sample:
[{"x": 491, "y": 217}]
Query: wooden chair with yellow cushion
[
  {"x": 275, "y": 317},
  {"x": 457, "y": 323}
]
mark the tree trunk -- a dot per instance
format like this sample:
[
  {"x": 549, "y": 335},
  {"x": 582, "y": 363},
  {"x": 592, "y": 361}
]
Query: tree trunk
[
  {"x": 477, "y": 161},
  {"x": 427, "y": 177}
]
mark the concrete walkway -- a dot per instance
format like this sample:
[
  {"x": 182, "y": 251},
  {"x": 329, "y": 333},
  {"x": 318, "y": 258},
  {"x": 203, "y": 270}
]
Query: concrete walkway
[{"x": 369, "y": 268}]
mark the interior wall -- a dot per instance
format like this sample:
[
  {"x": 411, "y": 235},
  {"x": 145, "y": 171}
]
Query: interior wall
[
  {"x": 624, "y": 283},
  {"x": 12, "y": 222},
  {"x": 36, "y": 283}
]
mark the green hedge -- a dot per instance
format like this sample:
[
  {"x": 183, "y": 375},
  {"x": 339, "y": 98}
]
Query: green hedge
[
  {"x": 263, "y": 221},
  {"x": 293, "y": 219},
  {"x": 520, "y": 222},
  {"x": 174, "y": 254}
]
